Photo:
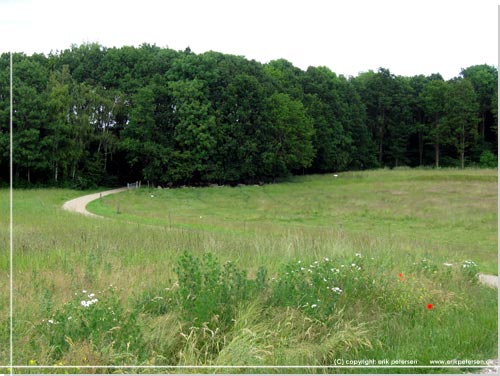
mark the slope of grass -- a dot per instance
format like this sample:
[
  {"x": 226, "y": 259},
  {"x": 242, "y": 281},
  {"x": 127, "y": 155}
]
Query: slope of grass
[
  {"x": 399, "y": 228},
  {"x": 447, "y": 213}
]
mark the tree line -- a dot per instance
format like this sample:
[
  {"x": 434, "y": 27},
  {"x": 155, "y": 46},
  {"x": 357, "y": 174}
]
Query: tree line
[{"x": 91, "y": 115}]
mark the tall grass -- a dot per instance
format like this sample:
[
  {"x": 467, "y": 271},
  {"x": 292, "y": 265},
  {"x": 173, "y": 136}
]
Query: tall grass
[{"x": 248, "y": 311}]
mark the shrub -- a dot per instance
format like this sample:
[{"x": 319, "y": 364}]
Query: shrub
[
  {"x": 95, "y": 317},
  {"x": 207, "y": 289},
  {"x": 470, "y": 269},
  {"x": 488, "y": 159},
  {"x": 316, "y": 288}
]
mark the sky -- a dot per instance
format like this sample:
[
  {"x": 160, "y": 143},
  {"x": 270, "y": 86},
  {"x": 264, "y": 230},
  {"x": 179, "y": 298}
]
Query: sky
[{"x": 349, "y": 37}]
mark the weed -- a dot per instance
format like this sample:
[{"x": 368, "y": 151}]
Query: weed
[
  {"x": 95, "y": 317},
  {"x": 470, "y": 269},
  {"x": 207, "y": 289}
]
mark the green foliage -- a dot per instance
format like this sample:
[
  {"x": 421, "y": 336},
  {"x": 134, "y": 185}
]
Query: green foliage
[
  {"x": 488, "y": 159},
  {"x": 461, "y": 116},
  {"x": 95, "y": 317},
  {"x": 90, "y": 116},
  {"x": 433, "y": 99},
  {"x": 207, "y": 289},
  {"x": 316, "y": 288},
  {"x": 470, "y": 269},
  {"x": 291, "y": 132},
  {"x": 155, "y": 301}
]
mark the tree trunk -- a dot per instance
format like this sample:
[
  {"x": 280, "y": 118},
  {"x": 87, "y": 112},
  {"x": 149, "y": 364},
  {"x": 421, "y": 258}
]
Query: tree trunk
[
  {"x": 381, "y": 140},
  {"x": 481, "y": 126},
  {"x": 55, "y": 173},
  {"x": 436, "y": 150},
  {"x": 462, "y": 140},
  {"x": 420, "y": 148},
  {"x": 29, "y": 177}
]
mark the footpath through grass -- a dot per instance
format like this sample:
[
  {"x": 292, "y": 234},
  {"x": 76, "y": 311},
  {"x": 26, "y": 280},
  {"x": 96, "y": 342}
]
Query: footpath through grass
[{"x": 368, "y": 266}]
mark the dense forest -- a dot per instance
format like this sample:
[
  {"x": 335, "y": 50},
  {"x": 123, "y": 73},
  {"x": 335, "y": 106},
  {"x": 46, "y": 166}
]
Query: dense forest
[{"x": 92, "y": 115}]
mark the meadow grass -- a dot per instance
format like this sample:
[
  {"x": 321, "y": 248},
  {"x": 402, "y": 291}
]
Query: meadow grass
[{"x": 197, "y": 276}]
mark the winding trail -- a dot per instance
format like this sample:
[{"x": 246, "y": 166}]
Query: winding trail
[{"x": 79, "y": 204}]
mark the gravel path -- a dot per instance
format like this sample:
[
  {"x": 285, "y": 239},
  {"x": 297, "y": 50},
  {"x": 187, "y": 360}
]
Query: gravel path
[
  {"x": 489, "y": 280},
  {"x": 79, "y": 204}
]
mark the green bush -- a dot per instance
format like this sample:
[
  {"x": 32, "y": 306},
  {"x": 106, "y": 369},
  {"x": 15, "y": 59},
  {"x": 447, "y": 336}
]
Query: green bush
[
  {"x": 95, "y": 317},
  {"x": 207, "y": 289},
  {"x": 488, "y": 159},
  {"x": 316, "y": 288},
  {"x": 470, "y": 269}
]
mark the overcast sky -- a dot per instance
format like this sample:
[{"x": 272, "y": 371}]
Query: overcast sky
[{"x": 408, "y": 37}]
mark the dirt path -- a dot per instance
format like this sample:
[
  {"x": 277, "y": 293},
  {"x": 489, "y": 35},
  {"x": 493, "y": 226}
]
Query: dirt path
[{"x": 79, "y": 204}]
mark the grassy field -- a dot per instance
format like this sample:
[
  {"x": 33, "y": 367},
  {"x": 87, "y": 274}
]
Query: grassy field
[{"x": 303, "y": 272}]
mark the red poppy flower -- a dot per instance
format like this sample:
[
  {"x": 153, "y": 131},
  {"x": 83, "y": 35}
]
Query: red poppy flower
[
  {"x": 429, "y": 306},
  {"x": 401, "y": 277}
]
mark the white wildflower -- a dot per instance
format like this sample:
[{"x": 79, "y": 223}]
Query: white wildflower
[
  {"x": 84, "y": 291},
  {"x": 91, "y": 295},
  {"x": 358, "y": 255},
  {"x": 314, "y": 305},
  {"x": 326, "y": 259},
  {"x": 447, "y": 264},
  {"x": 50, "y": 321}
]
